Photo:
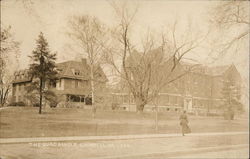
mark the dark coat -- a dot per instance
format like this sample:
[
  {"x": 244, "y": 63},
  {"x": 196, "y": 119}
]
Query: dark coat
[{"x": 184, "y": 123}]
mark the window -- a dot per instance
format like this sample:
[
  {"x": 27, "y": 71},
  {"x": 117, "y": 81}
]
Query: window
[
  {"x": 132, "y": 100},
  {"x": 76, "y": 83},
  {"x": 19, "y": 98},
  {"x": 14, "y": 89},
  {"x": 174, "y": 100},
  {"x": 77, "y": 72},
  {"x": 80, "y": 84},
  {"x": 74, "y": 98},
  {"x": 180, "y": 101},
  {"x": 167, "y": 98},
  {"x": 82, "y": 99},
  {"x": 125, "y": 99},
  {"x": 170, "y": 99},
  {"x": 14, "y": 98},
  {"x": 53, "y": 84},
  {"x": 60, "y": 83},
  {"x": 201, "y": 103},
  {"x": 23, "y": 76}
]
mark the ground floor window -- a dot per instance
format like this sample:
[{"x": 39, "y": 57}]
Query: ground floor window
[{"x": 75, "y": 98}]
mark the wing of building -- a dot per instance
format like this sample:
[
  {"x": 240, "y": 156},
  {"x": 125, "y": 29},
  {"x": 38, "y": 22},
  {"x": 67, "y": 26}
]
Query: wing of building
[
  {"x": 73, "y": 84},
  {"x": 200, "y": 89}
]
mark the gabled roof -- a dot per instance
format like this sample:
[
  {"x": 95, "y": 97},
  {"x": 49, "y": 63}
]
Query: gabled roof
[
  {"x": 67, "y": 69},
  {"x": 217, "y": 70}
]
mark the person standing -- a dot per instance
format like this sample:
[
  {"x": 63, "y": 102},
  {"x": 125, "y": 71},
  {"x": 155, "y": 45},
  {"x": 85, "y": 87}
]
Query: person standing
[{"x": 184, "y": 123}]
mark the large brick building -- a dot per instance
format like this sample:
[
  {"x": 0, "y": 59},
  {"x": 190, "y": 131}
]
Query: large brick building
[
  {"x": 73, "y": 85},
  {"x": 200, "y": 89}
]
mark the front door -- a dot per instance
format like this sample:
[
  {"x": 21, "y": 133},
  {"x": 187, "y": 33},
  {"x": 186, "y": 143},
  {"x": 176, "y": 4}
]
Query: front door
[{"x": 188, "y": 104}]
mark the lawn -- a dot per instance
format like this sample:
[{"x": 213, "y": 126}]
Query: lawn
[{"x": 26, "y": 122}]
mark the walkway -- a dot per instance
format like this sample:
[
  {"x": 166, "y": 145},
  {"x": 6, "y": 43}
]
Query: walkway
[{"x": 119, "y": 137}]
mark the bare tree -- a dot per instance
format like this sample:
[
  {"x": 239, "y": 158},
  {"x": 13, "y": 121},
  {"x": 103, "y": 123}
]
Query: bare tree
[
  {"x": 229, "y": 13},
  {"x": 151, "y": 69},
  {"x": 233, "y": 17},
  {"x": 88, "y": 34},
  {"x": 8, "y": 53}
]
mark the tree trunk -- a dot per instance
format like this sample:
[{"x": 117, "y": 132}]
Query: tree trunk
[
  {"x": 139, "y": 105},
  {"x": 92, "y": 91},
  {"x": 6, "y": 95},
  {"x": 41, "y": 95},
  {"x": 1, "y": 97}
]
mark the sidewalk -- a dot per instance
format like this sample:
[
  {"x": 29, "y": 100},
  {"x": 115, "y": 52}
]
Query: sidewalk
[
  {"x": 1, "y": 108},
  {"x": 151, "y": 146},
  {"x": 119, "y": 137},
  {"x": 176, "y": 153}
]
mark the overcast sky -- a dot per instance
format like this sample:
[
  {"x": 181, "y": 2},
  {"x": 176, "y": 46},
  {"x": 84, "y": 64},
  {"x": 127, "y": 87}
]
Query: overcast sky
[{"x": 51, "y": 16}]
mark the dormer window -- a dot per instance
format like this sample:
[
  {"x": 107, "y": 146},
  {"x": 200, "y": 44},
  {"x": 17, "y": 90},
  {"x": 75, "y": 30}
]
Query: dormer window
[{"x": 76, "y": 72}]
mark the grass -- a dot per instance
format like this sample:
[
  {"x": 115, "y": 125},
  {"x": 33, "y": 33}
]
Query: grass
[{"x": 26, "y": 122}]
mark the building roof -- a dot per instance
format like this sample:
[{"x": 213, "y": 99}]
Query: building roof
[
  {"x": 68, "y": 69},
  {"x": 22, "y": 76},
  {"x": 79, "y": 70},
  {"x": 217, "y": 70},
  {"x": 209, "y": 70}
]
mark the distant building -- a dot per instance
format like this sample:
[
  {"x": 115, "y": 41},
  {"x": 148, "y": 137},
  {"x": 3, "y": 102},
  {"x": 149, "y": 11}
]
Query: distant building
[
  {"x": 73, "y": 85},
  {"x": 198, "y": 90}
]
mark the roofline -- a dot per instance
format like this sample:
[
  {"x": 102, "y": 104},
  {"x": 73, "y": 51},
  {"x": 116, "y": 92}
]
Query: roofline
[{"x": 21, "y": 81}]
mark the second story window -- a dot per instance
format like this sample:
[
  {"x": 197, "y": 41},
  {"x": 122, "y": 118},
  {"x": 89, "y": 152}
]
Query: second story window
[
  {"x": 76, "y": 84},
  {"x": 60, "y": 83},
  {"x": 14, "y": 89},
  {"x": 76, "y": 72},
  {"x": 52, "y": 84}
]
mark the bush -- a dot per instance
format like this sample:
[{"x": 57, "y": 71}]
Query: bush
[
  {"x": 53, "y": 104},
  {"x": 114, "y": 106},
  {"x": 88, "y": 101},
  {"x": 17, "y": 104},
  {"x": 213, "y": 114},
  {"x": 229, "y": 115},
  {"x": 36, "y": 104},
  {"x": 11, "y": 104}
]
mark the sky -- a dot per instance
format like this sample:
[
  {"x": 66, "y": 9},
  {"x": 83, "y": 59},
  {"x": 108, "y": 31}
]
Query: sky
[
  {"x": 51, "y": 17},
  {"x": 30, "y": 17}
]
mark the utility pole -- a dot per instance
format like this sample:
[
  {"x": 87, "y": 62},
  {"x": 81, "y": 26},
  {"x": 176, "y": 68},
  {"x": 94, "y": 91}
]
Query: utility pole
[{"x": 156, "y": 113}]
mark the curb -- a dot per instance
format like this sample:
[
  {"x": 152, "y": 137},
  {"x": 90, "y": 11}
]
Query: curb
[{"x": 98, "y": 138}]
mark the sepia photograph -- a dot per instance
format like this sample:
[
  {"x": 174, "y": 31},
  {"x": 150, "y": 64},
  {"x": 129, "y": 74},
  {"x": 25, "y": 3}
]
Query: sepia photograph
[{"x": 124, "y": 79}]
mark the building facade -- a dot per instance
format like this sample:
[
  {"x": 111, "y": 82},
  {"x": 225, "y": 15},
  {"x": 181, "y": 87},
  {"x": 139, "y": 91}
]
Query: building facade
[
  {"x": 72, "y": 87},
  {"x": 199, "y": 90}
]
